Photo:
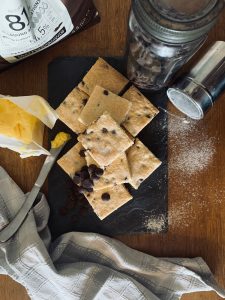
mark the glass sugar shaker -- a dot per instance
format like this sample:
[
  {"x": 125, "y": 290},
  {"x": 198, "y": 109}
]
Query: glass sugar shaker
[{"x": 164, "y": 35}]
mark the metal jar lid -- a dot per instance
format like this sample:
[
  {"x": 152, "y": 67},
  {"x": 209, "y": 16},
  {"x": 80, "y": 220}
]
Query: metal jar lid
[
  {"x": 195, "y": 93},
  {"x": 165, "y": 19}
]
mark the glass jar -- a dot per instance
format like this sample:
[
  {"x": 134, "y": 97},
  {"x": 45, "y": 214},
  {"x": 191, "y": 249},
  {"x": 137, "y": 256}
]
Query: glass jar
[{"x": 164, "y": 35}]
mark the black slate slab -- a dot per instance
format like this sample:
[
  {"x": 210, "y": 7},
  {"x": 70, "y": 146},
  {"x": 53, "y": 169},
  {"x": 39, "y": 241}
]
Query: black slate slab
[{"x": 148, "y": 209}]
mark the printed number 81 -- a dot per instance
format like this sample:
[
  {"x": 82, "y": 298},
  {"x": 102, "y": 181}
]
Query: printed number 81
[{"x": 15, "y": 21}]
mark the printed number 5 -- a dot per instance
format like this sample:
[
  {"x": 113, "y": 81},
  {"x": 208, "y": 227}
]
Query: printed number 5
[{"x": 41, "y": 30}]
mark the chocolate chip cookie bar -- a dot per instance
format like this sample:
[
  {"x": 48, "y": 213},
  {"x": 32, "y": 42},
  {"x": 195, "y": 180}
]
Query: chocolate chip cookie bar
[
  {"x": 102, "y": 100},
  {"x": 141, "y": 112},
  {"x": 73, "y": 160},
  {"x": 142, "y": 163},
  {"x": 107, "y": 200},
  {"x": 114, "y": 174},
  {"x": 105, "y": 140},
  {"x": 104, "y": 75},
  {"x": 70, "y": 109}
]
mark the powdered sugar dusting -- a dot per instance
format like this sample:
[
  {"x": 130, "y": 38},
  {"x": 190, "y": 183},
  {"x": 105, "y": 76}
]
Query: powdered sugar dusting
[
  {"x": 192, "y": 151},
  {"x": 155, "y": 223},
  {"x": 192, "y": 159},
  {"x": 192, "y": 148}
]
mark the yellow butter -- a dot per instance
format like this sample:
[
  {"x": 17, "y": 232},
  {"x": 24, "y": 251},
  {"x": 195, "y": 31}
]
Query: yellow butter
[
  {"x": 17, "y": 123},
  {"x": 60, "y": 139}
]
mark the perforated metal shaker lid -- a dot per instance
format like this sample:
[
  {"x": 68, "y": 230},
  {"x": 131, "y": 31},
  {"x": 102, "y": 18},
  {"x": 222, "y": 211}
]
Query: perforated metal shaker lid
[
  {"x": 177, "y": 21},
  {"x": 195, "y": 93}
]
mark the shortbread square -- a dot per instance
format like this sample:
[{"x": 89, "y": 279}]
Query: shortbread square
[
  {"x": 114, "y": 174},
  {"x": 142, "y": 163},
  {"x": 105, "y": 140},
  {"x": 106, "y": 201},
  {"x": 102, "y": 100},
  {"x": 70, "y": 109},
  {"x": 104, "y": 75},
  {"x": 141, "y": 112},
  {"x": 73, "y": 160}
]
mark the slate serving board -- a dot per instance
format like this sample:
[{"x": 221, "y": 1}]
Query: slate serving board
[{"x": 149, "y": 204}]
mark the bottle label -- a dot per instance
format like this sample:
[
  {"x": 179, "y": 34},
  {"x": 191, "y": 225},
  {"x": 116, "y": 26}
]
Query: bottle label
[{"x": 27, "y": 27}]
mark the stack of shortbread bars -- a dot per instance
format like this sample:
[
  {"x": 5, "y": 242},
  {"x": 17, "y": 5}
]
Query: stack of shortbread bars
[{"x": 107, "y": 154}]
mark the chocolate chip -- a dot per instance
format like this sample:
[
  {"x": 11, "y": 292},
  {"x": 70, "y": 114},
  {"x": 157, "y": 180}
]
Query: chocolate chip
[
  {"x": 88, "y": 195},
  {"x": 92, "y": 168},
  {"x": 82, "y": 82},
  {"x": 105, "y": 197},
  {"x": 94, "y": 176},
  {"x": 104, "y": 130},
  {"x": 125, "y": 178},
  {"x": 99, "y": 172},
  {"x": 87, "y": 183},
  {"x": 141, "y": 179},
  {"x": 82, "y": 153},
  {"x": 85, "y": 100},
  {"x": 78, "y": 173},
  {"x": 81, "y": 190},
  {"x": 148, "y": 116},
  {"x": 105, "y": 92},
  {"x": 84, "y": 175},
  {"x": 84, "y": 168},
  {"x": 113, "y": 131},
  {"x": 76, "y": 179}
]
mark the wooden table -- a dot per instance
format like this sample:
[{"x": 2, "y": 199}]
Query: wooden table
[{"x": 196, "y": 202}]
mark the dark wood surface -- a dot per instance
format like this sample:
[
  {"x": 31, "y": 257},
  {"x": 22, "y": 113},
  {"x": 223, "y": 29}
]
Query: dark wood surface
[{"x": 198, "y": 227}]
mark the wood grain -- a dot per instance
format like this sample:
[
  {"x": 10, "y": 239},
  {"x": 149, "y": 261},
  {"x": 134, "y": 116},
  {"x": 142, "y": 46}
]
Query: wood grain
[{"x": 204, "y": 234}]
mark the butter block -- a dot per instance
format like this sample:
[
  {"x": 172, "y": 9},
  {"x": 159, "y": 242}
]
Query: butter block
[
  {"x": 37, "y": 107},
  {"x": 19, "y": 130}
]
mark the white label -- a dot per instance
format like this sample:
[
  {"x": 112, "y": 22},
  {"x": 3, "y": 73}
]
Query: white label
[{"x": 29, "y": 26}]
